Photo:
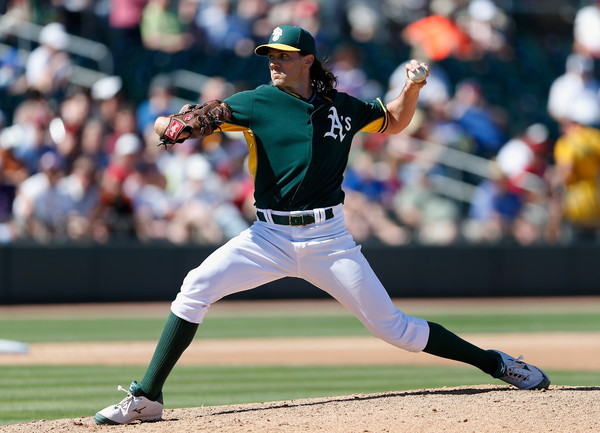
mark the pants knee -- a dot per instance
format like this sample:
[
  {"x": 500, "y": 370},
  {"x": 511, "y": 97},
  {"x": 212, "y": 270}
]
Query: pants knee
[
  {"x": 406, "y": 332},
  {"x": 189, "y": 309}
]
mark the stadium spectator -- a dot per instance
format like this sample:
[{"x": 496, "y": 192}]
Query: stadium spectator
[
  {"x": 370, "y": 185},
  {"x": 160, "y": 101},
  {"x": 484, "y": 122},
  {"x": 49, "y": 67},
  {"x": 524, "y": 159},
  {"x": 438, "y": 37},
  {"x": 205, "y": 214},
  {"x": 215, "y": 88},
  {"x": 12, "y": 80},
  {"x": 7, "y": 197},
  {"x": 486, "y": 24},
  {"x": 37, "y": 204},
  {"x": 529, "y": 227},
  {"x": 221, "y": 28},
  {"x": 153, "y": 208},
  {"x": 432, "y": 219},
  {"x": 115, "y": 210},
  {"x": 66, "y": 129},
  {"x": 93, "y": 142},
  {"x": 369, "y": 221},
  {"x": 108, "y": 98},
  {"x": 79, "y": 194},
  {"x": 576, "y": 87},
  {"x": 125, "y": 42},
  {"x": 79, "y": 17},
  {"x": 525, "y": 155},
  {"x": 29, "y": 138},
  {"x": 14, "y": 170},
  {"x": 348, "y": 67},
  {"x": 125, "y": 123},
  {"x": 586, "y": 30},
  {"x": 162, "y": 34},
  {"x": 494, "y": 207},
  {"x": 575, "y": 206}
]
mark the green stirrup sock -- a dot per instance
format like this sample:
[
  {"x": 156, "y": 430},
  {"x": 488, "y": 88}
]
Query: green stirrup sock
[
  {"x": 446, "y": 344},
  {"x": 176, "y": 337}
]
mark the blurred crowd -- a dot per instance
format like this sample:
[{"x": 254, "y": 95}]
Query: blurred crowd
[{"x": 504, "y": 146}]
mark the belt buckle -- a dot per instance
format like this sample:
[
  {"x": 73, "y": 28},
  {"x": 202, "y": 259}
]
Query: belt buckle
[{"x": 296, "y": 218}]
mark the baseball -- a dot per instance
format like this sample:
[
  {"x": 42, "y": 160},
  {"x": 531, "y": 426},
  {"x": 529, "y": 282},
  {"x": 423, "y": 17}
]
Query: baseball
[{"x": 419, "y": 75}]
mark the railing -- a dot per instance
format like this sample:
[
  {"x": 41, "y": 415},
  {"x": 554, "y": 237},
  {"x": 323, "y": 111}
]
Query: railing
[
  {"x": 458, "y": 189},
  {"x": 28, "y": 33}
]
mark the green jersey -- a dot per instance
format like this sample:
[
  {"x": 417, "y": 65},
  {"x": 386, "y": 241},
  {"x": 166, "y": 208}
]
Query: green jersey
[{"x": 298, "y": 148}]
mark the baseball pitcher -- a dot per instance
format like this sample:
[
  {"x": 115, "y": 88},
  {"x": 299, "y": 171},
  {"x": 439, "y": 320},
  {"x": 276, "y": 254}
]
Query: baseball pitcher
[{"x": 299, "y": 131}]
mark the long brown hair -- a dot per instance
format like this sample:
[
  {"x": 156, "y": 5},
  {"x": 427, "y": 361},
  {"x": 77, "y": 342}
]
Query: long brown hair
[{"x": 321, "y": 78}]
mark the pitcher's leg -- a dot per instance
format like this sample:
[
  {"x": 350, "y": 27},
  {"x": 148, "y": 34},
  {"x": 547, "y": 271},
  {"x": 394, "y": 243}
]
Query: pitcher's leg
[
  {"x": 446, "y": 344},
  {"x": 241, "y": 264},
  {"x": 177, "y": 335},
  {"x": 255, "y": 257},
  {"x": 349, "y": 278}
]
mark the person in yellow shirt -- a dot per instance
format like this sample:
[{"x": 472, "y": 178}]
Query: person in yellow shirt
[{"x": 576, "y": 182}]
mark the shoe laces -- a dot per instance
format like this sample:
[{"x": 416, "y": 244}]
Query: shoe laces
[
  {"x": 518, "y": 363},
  {"x": 127, "y": 400}
]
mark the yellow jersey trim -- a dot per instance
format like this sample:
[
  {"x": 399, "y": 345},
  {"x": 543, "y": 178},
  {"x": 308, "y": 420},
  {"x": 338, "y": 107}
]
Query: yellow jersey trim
[
  {"x": 250, "y": 142},
  {"x": 380, "y": 124}
]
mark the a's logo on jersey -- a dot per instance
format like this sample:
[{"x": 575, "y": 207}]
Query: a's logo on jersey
[
  {"x": 277, "y": 33},
  {"x": 339, "y": 124}
]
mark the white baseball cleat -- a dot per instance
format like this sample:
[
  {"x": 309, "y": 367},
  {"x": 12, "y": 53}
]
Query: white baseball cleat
[
  {"x": 521, "y": 374},
  {"x": 131, "y": 408}
]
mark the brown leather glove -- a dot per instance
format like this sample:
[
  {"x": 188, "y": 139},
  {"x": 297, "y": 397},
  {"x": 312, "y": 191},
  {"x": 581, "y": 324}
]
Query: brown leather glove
[{"x": 192, "y": 121}]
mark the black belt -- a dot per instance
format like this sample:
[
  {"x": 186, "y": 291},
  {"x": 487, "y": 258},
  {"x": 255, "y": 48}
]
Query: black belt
[{"x": 302, "y": 219}]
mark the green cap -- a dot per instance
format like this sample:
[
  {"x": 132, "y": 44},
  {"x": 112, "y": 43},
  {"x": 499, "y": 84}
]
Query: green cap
[{"x": 289, "y": 38}]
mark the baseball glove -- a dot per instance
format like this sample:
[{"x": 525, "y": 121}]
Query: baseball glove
[{"x": 192, "y": 121}]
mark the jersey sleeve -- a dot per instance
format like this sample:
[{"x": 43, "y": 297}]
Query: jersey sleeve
[
  {"x": 374, "y": 116},
  {"x": 380, "y": 123},
  {"x": 242, "y": 108}
]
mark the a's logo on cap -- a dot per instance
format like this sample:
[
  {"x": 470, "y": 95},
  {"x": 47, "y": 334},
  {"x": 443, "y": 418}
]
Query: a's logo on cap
[{"x": 277, "y": 33}]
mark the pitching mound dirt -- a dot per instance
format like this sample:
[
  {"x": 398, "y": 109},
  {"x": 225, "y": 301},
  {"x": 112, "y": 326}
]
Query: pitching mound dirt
[{"x": 481, "y": 409}]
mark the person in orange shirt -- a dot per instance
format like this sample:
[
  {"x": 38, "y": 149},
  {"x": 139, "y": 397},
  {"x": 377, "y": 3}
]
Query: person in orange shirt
[{"x": 438, "y": 37}]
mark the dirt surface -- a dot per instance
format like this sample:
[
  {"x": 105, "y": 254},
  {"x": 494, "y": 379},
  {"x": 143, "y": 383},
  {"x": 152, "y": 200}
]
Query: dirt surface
[{"x": 481, "y": 409}]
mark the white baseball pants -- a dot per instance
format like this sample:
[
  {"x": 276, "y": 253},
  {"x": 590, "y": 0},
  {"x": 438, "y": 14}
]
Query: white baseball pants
[{"x": 324, "y": 254}]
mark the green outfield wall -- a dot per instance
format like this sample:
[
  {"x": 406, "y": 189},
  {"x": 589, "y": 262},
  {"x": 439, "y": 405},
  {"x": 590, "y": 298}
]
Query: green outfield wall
[{"x": 31, "y": 274}]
